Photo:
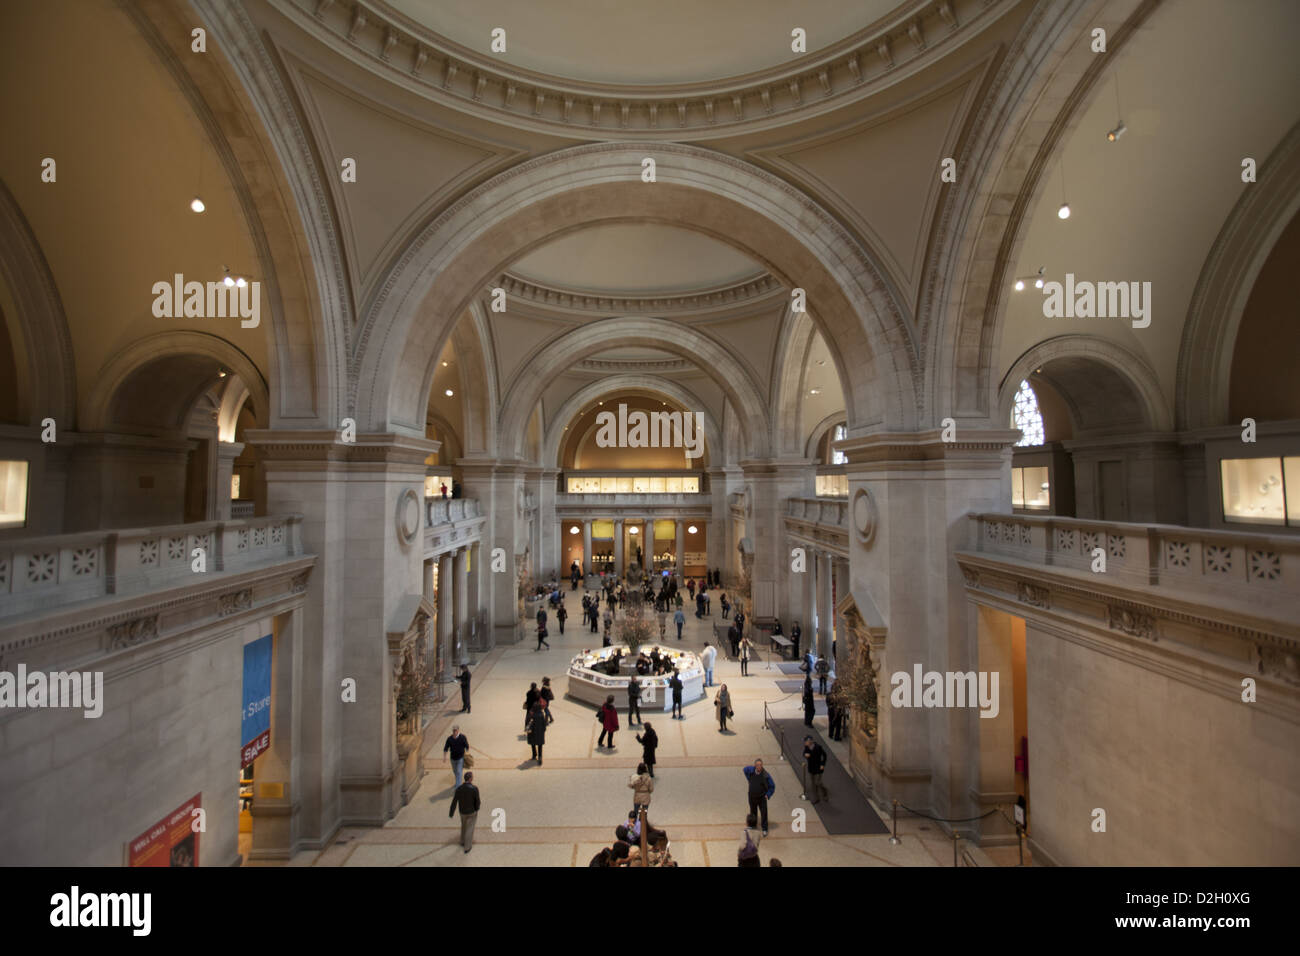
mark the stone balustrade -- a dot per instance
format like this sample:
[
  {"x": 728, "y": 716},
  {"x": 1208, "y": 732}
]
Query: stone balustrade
[
  {"x": 57, "y": 570},
  {"x": 1225, "y": 562},
  {"x": 697, "y": 503},
  {"x": 832, "y": 512},
  {"x": 449, "y": 510}
]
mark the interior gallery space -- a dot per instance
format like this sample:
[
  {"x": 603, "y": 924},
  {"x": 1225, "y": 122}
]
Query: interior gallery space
[{"x": 880, "y": 418}]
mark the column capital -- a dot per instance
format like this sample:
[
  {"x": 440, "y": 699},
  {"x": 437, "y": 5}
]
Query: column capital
[
  {"x": 869, "y": 453},
  {"x": 290, "y": 447}
]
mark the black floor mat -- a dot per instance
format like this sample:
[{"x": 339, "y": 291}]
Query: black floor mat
[{"x": 846, "y": 810}]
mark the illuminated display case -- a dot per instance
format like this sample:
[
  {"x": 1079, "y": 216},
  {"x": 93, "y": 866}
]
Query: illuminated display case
[
  {"x": 13, "y": 494},
  {"x": 1031, "y": 488},
  {"x": 632, "y": 484},
  {"x": 1255, "y": 490}
]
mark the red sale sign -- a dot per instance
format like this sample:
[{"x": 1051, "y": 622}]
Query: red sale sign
[{"x": 172, "y": 841}]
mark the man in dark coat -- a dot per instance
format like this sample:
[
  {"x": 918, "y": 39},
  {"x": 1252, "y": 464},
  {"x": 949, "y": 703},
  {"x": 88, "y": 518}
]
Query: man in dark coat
[
  {"x": 537, "y": 730},
  {"x": 529, "y": 700},
  {"x": 466, "y": 800},
  {"x": 675, "y": 683},
  {"x": 634, "y": 703},
  {"x": 795, "y": 634},
  {"x": 761, "y": 788},
  {"x": 648, "y": 741},
  {"x": 809, "y": 702},
  {"x": 547, "y": 695},
  {"x": 561, "y": 615},
  {"x": 464, "y": 688}
]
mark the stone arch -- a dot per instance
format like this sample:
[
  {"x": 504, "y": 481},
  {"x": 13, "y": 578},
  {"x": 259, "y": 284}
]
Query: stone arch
[
  {"x": 44, "y": 364},
  {"x": 818, "y": 430},
  {"x": 630, "y": 381},
  {"x": 1225, "y": 283},
  {"x": 1065, "y": 359},
  {"x": 1040, "y": 89},
  {"x": 526, "y": 390},
  {"x": 234, "y": 396},
  {"x": 793, "y": 238},
  {"x": 101, "y": 404},
  {"x": 795, "y": 340}
]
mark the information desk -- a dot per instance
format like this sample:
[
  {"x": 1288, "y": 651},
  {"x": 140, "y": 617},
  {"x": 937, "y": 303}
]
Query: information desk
[{"x": 593, "y": 686}]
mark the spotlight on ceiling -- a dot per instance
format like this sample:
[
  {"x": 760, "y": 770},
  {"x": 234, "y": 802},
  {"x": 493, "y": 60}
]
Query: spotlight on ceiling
[
  {"x": 692, "y": 529},
  {"x": 221, "y": 373},
  {"x": 229, "y": 280},
  {"x": 449, "y": 393},
  {"x": 444, "y": 364},
  {"x": 1064, "y": 211},
  {"x": 197, "y": 204},
  {"x": 1020, "y": 285},
  {"x": 633, "y": 530},
  {"x": 241, "y": 282},
  {"x": 1116, "y": 133},
  {"x": 573, "y": 530},
  {"x": 814, "y": 391}
]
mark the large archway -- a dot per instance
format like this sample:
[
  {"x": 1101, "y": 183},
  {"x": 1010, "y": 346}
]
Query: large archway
[{"x": 802, "y": 245}]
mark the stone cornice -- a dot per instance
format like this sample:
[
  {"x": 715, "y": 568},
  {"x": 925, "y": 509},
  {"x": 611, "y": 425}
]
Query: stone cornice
[
  {"x": 748, "y": 291},
  {"x": 382, "y": 39},
  {"x": 618, "y": 366},
  {"x": 968, "y": 444},
  {"x": 283, "y": 445}
]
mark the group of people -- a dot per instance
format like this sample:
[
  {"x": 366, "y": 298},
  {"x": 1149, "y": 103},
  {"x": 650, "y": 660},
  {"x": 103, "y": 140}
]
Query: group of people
[{"x": 537, "y": 715}]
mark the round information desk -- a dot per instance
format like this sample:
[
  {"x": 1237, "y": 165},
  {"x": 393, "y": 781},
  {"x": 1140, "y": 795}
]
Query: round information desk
[{"x": 592, "y": 685}]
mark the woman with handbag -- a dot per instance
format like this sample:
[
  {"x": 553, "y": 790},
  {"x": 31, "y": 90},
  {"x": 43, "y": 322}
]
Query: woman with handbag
[
  {"x": 642, "y": 785},
  {"x": 722, "y": 704},
  {"x": 608, "y": 717}
]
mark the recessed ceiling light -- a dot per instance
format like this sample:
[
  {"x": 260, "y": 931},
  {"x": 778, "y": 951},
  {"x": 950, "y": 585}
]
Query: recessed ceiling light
[
  {"x": 1064, "y": 211},
  {"x": 573, "y": 530},
  {"x": 814, "y": 391},
  {"x": 444, "y": 364},
  {"x": 633, "y": 530},
  {"x": 449, "y": 393},
  {"x": 692, "y": 529},
  {"x": 1020, "y": 285},
  {"x": 197, "y": 204},
  {"x": 241, "y": 282}
]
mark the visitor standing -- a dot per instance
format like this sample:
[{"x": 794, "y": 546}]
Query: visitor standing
[
  {"x": 594, "y": 612},
  {"x": 456, "y": 745},
  {"x": 795, "y": 634},
  {"x": 561, "y": 615},
  {"x": 530, "y": 699},
  {"x": 547, "y": 695},
  {"x": 675, "y": 683},
  {"x": 761, "y": 788},
  {"x": 541, "y": 617},
  {"x": 679, "y": 619},
  {"x": 733, "y": 638},
  {"x": 608, "y": 717},
  {"x": 814, "y": 756},
  {"x": 740, "y": 620},
  {"x": 537, "y": 730},
  {"x": 823, "y": 668},
  {"x": 750, "y": 838},
  {"x": 690, "y": 586},
  {"x": 663, "y": 619},
  {"x": 722, "y": 703},
  {"x": 809, "y": 702},
  {"x": 707, "y": 657},
  {"x": 642, "y": 785},
  {"x": 609, "y": 623},
  {"x": 633, "y": 701},
  {"x": 466, "y": 800},
  {"x": 744, "y": 656},
  {"x": 649, "y": 741},
  {"x": 464, "y": 688},
  {"x": 726, "y": 605},
  {"x": 699, "y": 605}
]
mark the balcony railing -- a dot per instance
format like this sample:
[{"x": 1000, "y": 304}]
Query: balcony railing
[
  {"x": 833, "y": 512},
  {"x": 61, "y": 569},
  {"x": 447, "y": 510},
  {"x": 673, "y": 500},
  {"x": 1197, "y": 559}
]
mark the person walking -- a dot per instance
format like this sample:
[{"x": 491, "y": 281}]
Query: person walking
[
  {"x": 679, "y": 619},
  {"x": 707, "y": 657},
  {"x": 663, "y": 619},
  {"x": 633, "y": 700},
  {"x": 744, "y": 656},
  {"x": 608, "y": 717},
  {"x": 823, "y": 668},
  {"x": 530, "y": 699},
  {"x": 466, "y": 800},
  {"x": 541, "y": 637},
  {"x": 809, "y": 702},
  {"x": 675, "y": 683},
  {"x": 733, "y": 638},
  {"x": 677, "y": 598},
  {"x": 690, "y": 586},
  {"x": 464, "y": 688},
  {"x": 722, "y": 704},
  {"x": 541, "y": 617},
  {"x": 547, "y": 695},
  {"x": 561, "y": 615},
  {"x": 537, "y": 729},
  {"x": 642, "y": 785},
  {"x": 456, "y": 745},
  {"x": 699, "y": 605},
  {"x": 609, "y": 623},
  {"x": 740, "y": 620},
  {"x": 726, "y": 605},
  {"x": 649, "y": 742},
  {"x": 750, "y": 838},
  {"x": 593, "y": 613},
  {"x": 814, "y": 756},
  {"x": 761, "y": 788}
]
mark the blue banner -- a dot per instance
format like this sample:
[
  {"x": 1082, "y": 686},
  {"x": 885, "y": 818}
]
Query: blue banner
[{"x": 255, "y": 719}]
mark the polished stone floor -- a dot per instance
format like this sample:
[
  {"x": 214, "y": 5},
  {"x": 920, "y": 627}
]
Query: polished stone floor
[{"x": 562, "y": 813}]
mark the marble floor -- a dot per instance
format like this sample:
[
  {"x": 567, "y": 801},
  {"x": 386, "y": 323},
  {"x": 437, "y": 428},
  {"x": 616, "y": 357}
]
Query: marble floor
[{"x": 562, "y": 813}]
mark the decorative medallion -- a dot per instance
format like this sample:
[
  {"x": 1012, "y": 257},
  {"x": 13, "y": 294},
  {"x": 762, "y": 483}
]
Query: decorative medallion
[
  {"x": 130, "y": 633},
  {"x": 408, "y": 515},
  {"x": 1132, "y": 623},
  {"x": 864, "y": 516},
  {"x": 234, "y": 602}
]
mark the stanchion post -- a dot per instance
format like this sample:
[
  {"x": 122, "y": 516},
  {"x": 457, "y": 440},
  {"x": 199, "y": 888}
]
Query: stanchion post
[
  {"x": 894, "y": 839},
  {"x": 645, "y": 838},
  {"x": 1020, "y": 843},
  {"x": 954, "y": 847}
]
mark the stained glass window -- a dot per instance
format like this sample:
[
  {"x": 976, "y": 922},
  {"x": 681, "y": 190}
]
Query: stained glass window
[{"x": 1026, "y": 416}]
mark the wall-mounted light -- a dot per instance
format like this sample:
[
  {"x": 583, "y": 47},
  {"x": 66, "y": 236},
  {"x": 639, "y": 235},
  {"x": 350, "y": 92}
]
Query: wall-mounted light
[
  {"x": 449, "y": 393},
  {"x": 573, "y": 530},
  {"x": 633, "y": 530},
  {"x": 692, "y": 529}
]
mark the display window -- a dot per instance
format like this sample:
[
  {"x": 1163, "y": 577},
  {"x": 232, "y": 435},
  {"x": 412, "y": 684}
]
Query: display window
[
  {"x": 1255, "y": 490},
  {"x": 635, "y": 485},
  {"x": 13, "y": 494}
]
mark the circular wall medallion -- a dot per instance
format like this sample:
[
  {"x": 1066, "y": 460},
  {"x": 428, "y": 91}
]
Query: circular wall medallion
[
  {"x": 863, "y": 515},
  {"x": 408, "y": 515}
]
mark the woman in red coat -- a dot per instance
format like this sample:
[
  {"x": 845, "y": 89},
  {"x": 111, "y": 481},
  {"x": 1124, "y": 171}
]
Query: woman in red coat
[{"x": 608, "y": 718}]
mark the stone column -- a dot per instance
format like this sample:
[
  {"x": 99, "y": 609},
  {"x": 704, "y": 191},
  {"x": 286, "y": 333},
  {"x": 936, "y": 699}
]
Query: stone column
[
  {"x": 446, "y": 613},
  {"x": 276, "y": 818},
  {"x": 825, "y": 612},
  {"x": 474, "y": 604},
  {"x": 586, "y": 549},
  {"x": 769, "y": 483},
  {"x": 548, "y": 525},
  {"x": 219, "y": 500},
  {"x": 497, "y": 486},
  {"x": 460, "y": 622},
  {"x": 353, "y": 499},
  {"x": 618, "y": 547},
  {"x": 681, "y": 549},
  {"x": 807, "y": 595}
]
